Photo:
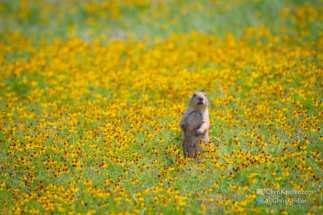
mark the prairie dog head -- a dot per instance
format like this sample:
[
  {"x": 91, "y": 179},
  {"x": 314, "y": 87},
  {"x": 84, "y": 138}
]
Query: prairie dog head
[{"x": 198, "y": 100}]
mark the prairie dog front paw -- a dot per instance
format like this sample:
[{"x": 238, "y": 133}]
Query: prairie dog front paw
[
  {"x": 183, "y": 124},
  {"x": 200, "y": 131}
]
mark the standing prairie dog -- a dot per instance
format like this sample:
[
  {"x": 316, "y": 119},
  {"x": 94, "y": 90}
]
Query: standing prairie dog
[{"x": 195, "y": 124}]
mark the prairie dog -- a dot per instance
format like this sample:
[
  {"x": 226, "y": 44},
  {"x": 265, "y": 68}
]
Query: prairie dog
[{"x": 195, "y": 124}]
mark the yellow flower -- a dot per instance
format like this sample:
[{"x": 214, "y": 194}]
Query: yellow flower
[
  {"x": 88, "y": 182},
  {"x": 285, "y": 174}
]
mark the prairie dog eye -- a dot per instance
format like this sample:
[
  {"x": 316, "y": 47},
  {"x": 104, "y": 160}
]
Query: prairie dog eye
[{"x": 193, "y": 95}]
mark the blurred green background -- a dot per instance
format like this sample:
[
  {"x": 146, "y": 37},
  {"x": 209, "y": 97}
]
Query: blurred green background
[{"x": 146, "y": 19}]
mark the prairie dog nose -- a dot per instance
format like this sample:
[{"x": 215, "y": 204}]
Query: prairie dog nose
[{"x": 201, "y": 99}]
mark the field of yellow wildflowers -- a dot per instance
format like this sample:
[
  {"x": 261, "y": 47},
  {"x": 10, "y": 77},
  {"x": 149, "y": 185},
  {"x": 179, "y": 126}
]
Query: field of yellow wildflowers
[{"x": 91, "y": 94}]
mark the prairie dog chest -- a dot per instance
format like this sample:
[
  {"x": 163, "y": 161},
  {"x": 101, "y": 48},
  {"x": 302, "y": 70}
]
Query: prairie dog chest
[{"x": 194, "y": 119}]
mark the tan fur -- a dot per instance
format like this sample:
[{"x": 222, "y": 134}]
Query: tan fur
[{"x": 195, "y": 124}]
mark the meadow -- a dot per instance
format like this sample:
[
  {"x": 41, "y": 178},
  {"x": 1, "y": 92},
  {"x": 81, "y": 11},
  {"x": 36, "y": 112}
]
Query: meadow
[{"x": 92, "y": 92}]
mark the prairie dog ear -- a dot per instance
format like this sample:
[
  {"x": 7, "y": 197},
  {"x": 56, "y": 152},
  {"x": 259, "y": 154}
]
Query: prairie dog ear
[{"x": 203, "y": 91}]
